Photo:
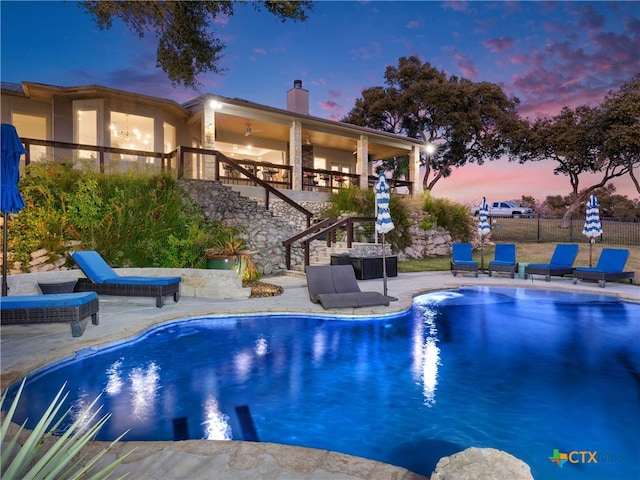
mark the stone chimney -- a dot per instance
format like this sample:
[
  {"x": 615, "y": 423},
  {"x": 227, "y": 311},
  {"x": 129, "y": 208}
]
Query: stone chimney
[{"x": 298, "y": 98}]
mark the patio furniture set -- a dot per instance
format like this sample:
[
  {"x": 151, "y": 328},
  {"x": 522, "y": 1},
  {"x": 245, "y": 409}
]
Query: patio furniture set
[
  {"x": 74, "y": 301},
  {"x": 610, "y": 266}
]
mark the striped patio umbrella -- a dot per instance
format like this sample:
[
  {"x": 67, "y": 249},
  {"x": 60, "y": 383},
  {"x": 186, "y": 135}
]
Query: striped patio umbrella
[
  {"x": 384, "y": 224},
  {"x": 10, "y": 198},
  {"x": 592, "y": 225},
  {"x": 483, "y": 225}
]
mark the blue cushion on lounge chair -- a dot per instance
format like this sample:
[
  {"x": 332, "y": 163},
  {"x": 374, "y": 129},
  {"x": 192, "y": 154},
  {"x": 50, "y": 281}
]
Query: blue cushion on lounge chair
[
  {"x": 611, "y": 260},
  {"x": 98, "y": 271},
  {"x": 563, "y": 257},
  {"x": 564, "y": 254},
  {"x": 462, "y": 254},
  {"x": 46, "y": 301},
  {"x": 93, "y": 266}
]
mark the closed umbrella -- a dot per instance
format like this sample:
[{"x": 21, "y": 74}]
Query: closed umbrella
[
  {"x": 483, "y": 225},
  {"x": 592, "y": 225},
  {"x": 10, "y": 198},
  {"x": 384, "y": 224}
]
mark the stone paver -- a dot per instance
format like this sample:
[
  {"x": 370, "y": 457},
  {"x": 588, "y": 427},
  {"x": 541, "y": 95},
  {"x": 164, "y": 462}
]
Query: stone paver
[{"x": 26, "y": 348}]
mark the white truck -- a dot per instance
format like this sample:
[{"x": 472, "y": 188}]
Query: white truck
[{"x": 506, "y": 209}]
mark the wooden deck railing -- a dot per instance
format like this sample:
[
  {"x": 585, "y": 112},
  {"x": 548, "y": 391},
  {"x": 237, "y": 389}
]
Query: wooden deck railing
[{"x": 327, "y": 228}]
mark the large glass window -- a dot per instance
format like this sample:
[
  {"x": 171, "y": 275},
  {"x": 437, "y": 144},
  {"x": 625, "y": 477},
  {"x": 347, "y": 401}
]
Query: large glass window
[
  {"x": 133, "y": 132},
  {"x": 86, "y": 132},
  {"x": 32, "y": 126},
  {"x": 169, "y": 132}
]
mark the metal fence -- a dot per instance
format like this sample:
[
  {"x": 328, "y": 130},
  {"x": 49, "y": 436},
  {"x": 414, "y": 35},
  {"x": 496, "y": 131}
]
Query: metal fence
[{"x": 615, "y": 231}]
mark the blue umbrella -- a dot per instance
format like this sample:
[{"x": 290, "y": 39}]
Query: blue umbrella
[
  {"x": 483, "y": 224},
  {"x": 592, "y": 225},
  {"x": 10, "y": 198},
  {"x": 384, "y": 224}
]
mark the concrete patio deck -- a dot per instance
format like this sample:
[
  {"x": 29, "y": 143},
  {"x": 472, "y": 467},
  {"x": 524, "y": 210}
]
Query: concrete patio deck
[{"x": 26, "y": 348}]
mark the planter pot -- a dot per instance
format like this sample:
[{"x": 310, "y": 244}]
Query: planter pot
[{"x": 221, "y": 262}]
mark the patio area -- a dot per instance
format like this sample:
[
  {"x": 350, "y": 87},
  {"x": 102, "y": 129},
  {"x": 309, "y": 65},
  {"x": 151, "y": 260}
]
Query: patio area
[{"x": 28, "y": 347}]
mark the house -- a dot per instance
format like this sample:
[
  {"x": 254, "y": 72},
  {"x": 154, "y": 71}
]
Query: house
[{"x": 111, "y": 129}]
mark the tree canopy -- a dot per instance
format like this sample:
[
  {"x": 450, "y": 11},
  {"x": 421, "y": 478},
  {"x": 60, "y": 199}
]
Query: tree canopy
[
  {"x": 467, "y": 122},
  {"x": 603, "y": 140},
  {"x": 187, "y": 46}
]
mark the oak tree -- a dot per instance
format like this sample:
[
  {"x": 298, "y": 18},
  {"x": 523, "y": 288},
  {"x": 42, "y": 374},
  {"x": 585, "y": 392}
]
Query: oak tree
[
  {"x": 187, "y": 45},
  {"x": 467, "y": 122}
]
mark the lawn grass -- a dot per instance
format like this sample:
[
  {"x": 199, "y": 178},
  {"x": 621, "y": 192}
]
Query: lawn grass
[{"x": 527, "y": 252}]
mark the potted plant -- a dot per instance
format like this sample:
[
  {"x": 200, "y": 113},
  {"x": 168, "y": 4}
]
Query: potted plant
[
  {"x": 229, "y": 252},
  {"x": 225, "y": 252}
]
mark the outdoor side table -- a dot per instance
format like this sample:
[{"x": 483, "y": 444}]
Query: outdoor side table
[{"x": 58, "y": 286}]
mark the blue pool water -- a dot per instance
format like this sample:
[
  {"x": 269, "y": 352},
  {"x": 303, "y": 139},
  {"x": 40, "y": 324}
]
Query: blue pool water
[{"x": 525, "y": 371}]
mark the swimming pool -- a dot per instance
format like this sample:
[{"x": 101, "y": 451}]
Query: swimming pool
[{"x": 525, "y": 371}]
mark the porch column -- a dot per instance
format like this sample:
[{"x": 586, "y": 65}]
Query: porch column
[
  {"x": 206, "y": 169},
  {"x": 362, "y": 161},
  {"x": 414, "y": 171},
  {"x": 295, "y": 154}
]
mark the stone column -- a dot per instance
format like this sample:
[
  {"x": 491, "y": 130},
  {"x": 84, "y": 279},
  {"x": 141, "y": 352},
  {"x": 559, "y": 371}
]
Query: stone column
[
  {"x": 414, "y": 171},
  {"x": 295, "y": 154},
  {"x": 362, "y": 161},
  {"x": 207, "y": 170}
]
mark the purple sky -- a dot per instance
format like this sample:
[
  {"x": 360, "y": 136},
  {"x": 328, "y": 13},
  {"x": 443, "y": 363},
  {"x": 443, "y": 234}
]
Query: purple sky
[{"x": 548, "y": 54}]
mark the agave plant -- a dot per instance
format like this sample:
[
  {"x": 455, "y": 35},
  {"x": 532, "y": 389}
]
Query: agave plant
[{"x": 33, "y": 459}]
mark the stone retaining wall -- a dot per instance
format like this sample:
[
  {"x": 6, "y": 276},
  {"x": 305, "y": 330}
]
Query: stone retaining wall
[{"x": 218, "y": 284}]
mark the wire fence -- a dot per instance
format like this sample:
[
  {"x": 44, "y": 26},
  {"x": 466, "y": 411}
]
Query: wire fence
[{"x": 615, "y": 231}]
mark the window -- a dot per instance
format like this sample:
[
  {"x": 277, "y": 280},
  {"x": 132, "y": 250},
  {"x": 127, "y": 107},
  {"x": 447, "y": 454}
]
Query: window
[
  {"x": 86, "y": 132},
  {"x": 32, "y": 126}
]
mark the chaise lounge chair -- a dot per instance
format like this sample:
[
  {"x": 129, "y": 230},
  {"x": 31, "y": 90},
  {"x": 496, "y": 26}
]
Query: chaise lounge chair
[
  {"x": 610, "y": 267},
  {"x": 104, "y": 281},
  {"x": 561, "y": 263},
  {"x": 505, "y": 259},
  {"x": 73, "y": 308},
  {"x": 462, "y": 259},
  {"x": 335, "y": 286}
]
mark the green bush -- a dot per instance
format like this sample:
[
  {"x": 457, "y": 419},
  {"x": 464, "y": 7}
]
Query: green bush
[
  {"x": 133, "y": 220},
  {"x": 358, "y": 202},
  {"x": 451, "y": 216}
]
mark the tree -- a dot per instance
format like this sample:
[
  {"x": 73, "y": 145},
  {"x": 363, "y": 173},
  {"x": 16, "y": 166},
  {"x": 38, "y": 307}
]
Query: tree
[
  {"x": 601, "y": 140},
  {"x": 468, "y": 122},
  {"x": 620, "y": 127},
  {"x": 186, "y": 45}
]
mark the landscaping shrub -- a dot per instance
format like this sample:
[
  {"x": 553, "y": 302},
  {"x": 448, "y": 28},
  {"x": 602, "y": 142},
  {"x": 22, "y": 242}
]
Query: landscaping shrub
[
  {"x": 358, "y": 202},
  {"x": 451, "y": 216},
  {"x": 133, "y": 220}
]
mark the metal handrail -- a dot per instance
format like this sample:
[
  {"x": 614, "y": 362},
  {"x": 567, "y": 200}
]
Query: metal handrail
[{"x": 327, "y": 227}]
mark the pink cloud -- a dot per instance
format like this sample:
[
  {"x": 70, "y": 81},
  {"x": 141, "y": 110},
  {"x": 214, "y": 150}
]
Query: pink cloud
[
  {"x": 466, "y": 66},
  {"x": 457, "y": 6},
  {"x": 413, "y": 24},
  {"x": 499, "y": 44}
]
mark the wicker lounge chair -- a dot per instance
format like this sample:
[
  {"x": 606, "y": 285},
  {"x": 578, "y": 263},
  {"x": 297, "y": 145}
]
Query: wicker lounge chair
[
  {"x": 505, "y": 259},
  {"x": 335, "y": 286},
  {"x": 73, "y": 308},
  {"x": 104, "y": 281},
  {"x": 561, "y": 263},
  {"x": 462, "y": 259},
  {"x": 610, "y": 267}
]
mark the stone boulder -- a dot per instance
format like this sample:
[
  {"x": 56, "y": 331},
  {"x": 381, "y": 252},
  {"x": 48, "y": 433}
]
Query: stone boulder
[{"x": 481, "y": 464}]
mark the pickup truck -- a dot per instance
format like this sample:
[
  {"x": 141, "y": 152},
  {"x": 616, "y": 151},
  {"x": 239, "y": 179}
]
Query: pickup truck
[{"x": 506, "y": 209}]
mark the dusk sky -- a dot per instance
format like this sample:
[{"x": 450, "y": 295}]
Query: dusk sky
[{"x": 548, "y": 54}]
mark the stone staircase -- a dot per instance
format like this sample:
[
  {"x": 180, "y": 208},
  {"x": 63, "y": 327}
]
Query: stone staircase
[{"x": 264, "y": 230}]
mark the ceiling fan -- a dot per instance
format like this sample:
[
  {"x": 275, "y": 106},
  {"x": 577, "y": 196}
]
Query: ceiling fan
[{"x": 249, "y": 131}]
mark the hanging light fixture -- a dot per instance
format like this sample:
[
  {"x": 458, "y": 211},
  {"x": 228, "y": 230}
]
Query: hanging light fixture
[{"x": 126, "y": 134}]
